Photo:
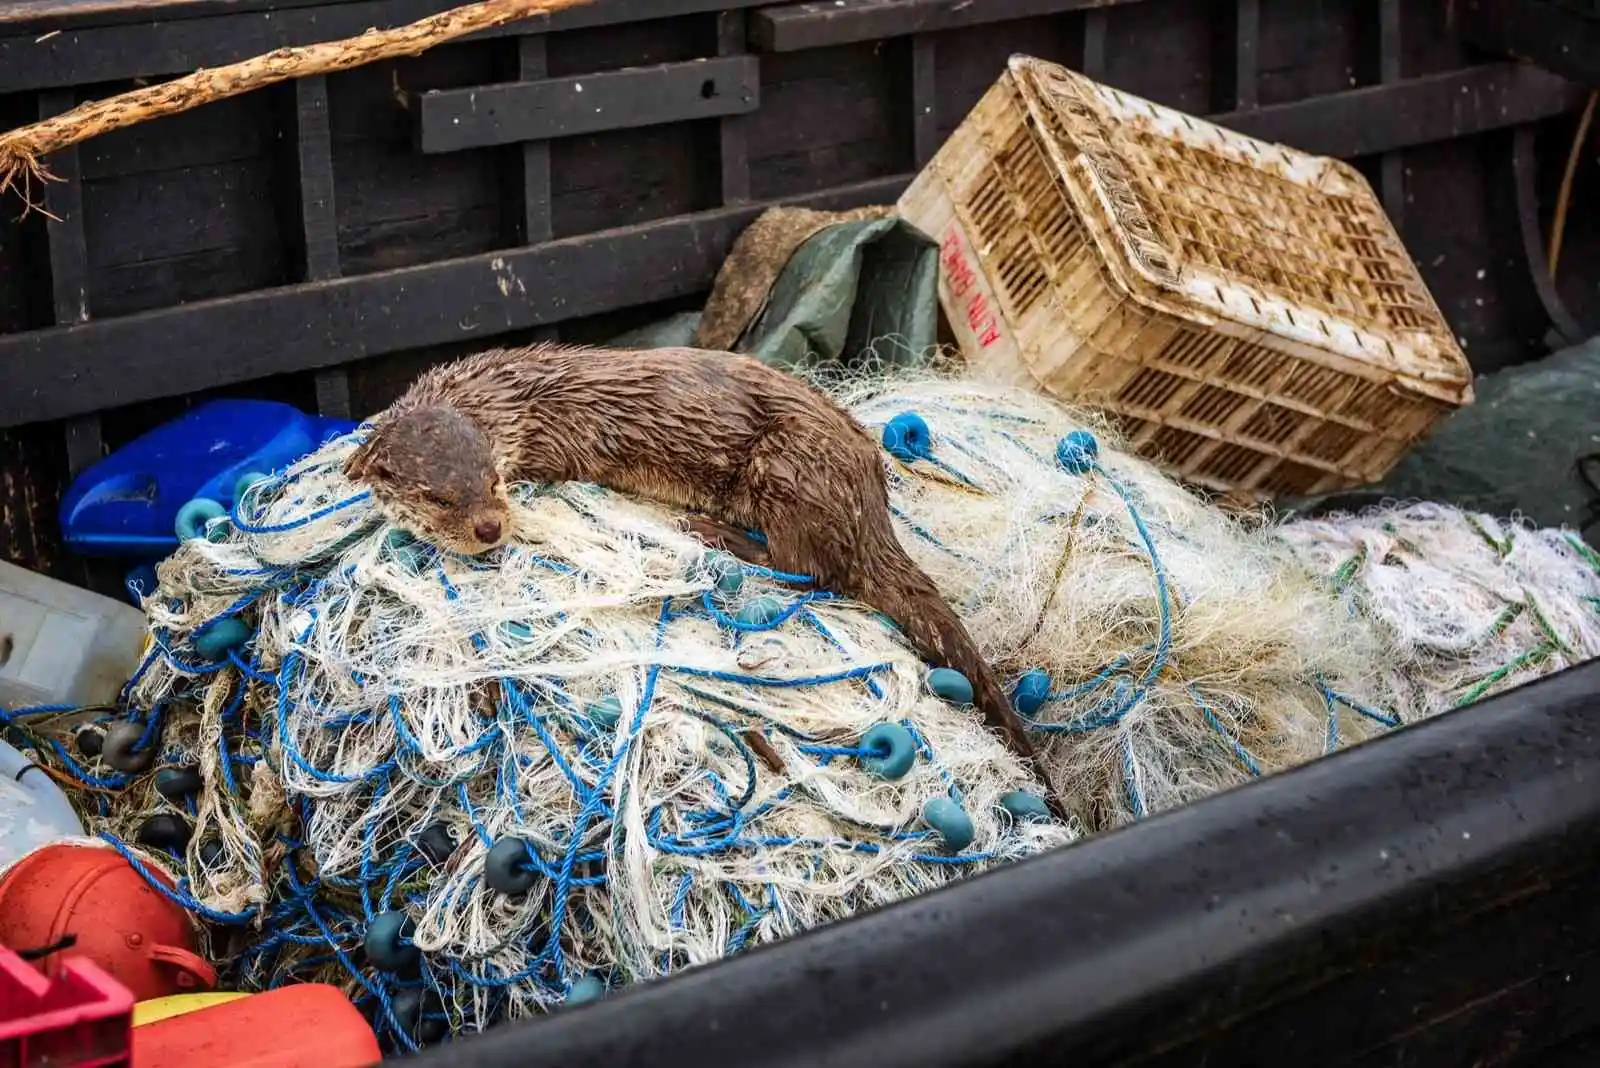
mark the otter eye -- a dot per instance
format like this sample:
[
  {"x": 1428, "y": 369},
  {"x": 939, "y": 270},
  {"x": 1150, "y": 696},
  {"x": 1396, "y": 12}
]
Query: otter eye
[{"x": 438, "y": 501}]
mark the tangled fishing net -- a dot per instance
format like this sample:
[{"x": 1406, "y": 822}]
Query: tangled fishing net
[
  {"x": 595, "y": 756},
  {"x": 470, "y": 789},
  {"x": 1162, "y": 650},
  {"x": 1466, "y": 605}
]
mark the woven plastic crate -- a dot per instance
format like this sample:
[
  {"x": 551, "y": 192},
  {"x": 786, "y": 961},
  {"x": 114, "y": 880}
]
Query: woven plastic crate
[{"x": 1245, "y": 310}]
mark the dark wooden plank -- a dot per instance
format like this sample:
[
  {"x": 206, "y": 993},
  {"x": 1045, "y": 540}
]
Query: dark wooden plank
[
  {"x": 1094, "y": 44},
  {"x": 456, "y": 119},
  {"x": 1166, "y": 52},
  {"x": 229, "y": 131},
  {"x": 925, "y": 138},
  {"x": 1417, "y": 111},
  {"x": 63, "y": 200},
  {"x": 318, "y": 230},
  {"x": 533, "y": 63},
  {"x": 64, "y": 371},
  {"x": 157, "y": 239},
  {"x": 69, "y": 269},
  {"x": 1246, "y": 52},
  {"x": 733, "y": 142},
  {"x": 32, "y": 16},
  {"x": 828, "y": 22},
  {"x": 33, "y": 59},
  {"x": 60, "y": 372},
  {"x": 630, "y": 177},
  {"x": 828, "y": 117},
  {"x": 67, "y": 248},
  {"x": 1561, "y": 37},
  {"x": 1392, "y": 165}
]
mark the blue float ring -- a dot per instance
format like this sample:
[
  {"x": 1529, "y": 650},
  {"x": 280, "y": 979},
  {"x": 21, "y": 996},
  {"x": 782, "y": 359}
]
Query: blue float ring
[
  {"x": 383, "y": 943},
  {"x": 245, "y": 481},
  {"x": 1025, "y": 807},
  {"x": 760, "y": 611},
  {"x": 950, "y": 685},
  {"x": 888, "y": 751},
  {"x": 193, "y": 518},
  {"x": 1031, "y": 692},
  {"x": 589, "y": 988},
  {"x": 605, "y": 713},
  {"x": 1077, "y": 452},
  {"x": 950, "y": 822},
  {"x": 504, "y": 868},
  {"x": 906, "y": 437},
  {"x": 220, "y": 637},
  {"x": 726, "y": 573}
]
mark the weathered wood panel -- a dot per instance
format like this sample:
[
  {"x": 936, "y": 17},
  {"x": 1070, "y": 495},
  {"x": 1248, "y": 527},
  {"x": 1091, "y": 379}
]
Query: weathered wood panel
[
  {"x": 297, "y": 243},
  {"x": 827, "y": 117},
  {"x": 511, "y": 112},
  {"x": 826, "y": 22}
]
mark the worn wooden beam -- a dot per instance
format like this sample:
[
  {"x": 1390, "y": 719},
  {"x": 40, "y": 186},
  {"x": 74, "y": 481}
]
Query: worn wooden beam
[
  {"x": 1560, "y": 37},
  {"x": 1416, "y": 111},
  {"x": 454, "y": 119},
  {"x": 1094, "y": 44},
  {"x": 65, "y": 371},
  {"x": 317, "y": 235},
  {"x": 68, "y": 250},
  {"x": 35, "y": 58},
  {"x": 533, "y": 63},
  {"x": 733, "y": 147},
  {"x": 1391, "y": 71},
  {"x": 924, "y": 99},
  {"x": 820, "y": 24},
  {"x": 60, "y": 372},
  {"x": 1243, "y": 49},
  {"x": 68, "y": 253}
]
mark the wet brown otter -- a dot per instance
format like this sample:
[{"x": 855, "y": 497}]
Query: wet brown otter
[{"x": 751, "y": 447}]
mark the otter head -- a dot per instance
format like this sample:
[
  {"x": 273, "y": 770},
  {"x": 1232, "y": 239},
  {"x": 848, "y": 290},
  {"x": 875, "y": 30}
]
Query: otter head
[{"x": 433, "y": 472}]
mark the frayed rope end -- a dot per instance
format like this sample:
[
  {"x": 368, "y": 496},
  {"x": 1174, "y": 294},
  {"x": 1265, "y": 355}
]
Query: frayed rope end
[{"x": 21, "y": 172}]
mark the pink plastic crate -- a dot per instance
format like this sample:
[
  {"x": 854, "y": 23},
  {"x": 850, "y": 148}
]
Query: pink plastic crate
[{"x": 76, "y": 1017}]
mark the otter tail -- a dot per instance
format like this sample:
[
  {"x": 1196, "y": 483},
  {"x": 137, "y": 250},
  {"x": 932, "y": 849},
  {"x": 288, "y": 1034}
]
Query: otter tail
[{"x": 904, "y": 592}]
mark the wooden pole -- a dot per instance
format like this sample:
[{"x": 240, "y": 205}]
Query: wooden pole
[{"x": 22, "y": 150}]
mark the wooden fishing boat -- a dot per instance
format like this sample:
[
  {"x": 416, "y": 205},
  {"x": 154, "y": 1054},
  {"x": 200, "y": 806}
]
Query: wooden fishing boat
[{"x": 1425, "y": 900}]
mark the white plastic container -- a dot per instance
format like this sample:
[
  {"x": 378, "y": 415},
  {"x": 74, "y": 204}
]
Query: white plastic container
[
  {"x": 33, "y": 810},
  {"x": 61, "y": 645}
]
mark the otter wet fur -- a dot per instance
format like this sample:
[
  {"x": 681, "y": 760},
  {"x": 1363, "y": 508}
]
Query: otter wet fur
[{"x": 749, "y": 446}]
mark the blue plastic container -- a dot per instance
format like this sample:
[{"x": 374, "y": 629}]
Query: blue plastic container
[{"x": 126, "y": 504}]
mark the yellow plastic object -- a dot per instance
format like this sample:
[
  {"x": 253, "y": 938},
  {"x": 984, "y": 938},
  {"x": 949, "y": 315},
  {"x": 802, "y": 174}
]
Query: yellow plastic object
[{"x": 145, "y": 1012}]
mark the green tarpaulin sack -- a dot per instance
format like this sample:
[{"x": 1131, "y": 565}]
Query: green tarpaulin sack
[{"x": 804, "y": 288}]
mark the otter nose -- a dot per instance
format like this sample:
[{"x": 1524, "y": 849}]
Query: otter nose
[{"x": 487, "y": 530}]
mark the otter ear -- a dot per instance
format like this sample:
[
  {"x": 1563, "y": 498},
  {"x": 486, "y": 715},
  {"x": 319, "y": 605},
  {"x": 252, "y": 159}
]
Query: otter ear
[{"x": 364, "y": 464}]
